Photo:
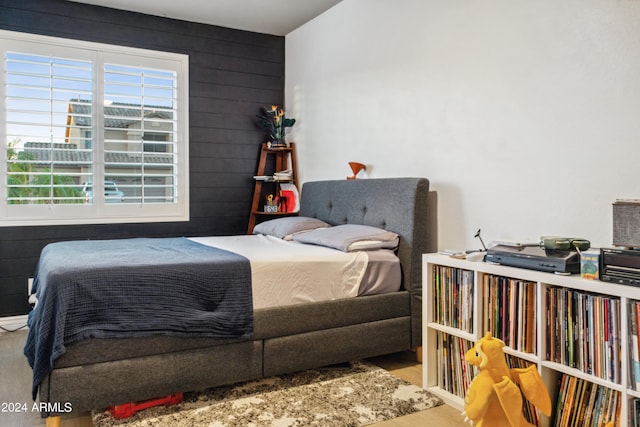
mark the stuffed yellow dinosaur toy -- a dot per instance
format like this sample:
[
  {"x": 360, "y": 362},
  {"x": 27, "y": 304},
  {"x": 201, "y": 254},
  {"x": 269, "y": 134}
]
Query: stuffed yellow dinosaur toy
[{"x": 494, "y": 398}]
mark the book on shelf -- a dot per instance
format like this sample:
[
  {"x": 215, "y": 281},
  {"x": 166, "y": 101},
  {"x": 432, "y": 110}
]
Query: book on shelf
[
  {"x": 568, "y": 402},
  {"x": 589, "y": 399},
  {"x": 634, "y": 371},
  {"x": 590, "y": 344},
  {"x": 578, "y": 395},
  {"x": 592, "y": 401},
  {"x": 607, "y": 336},
  {"x": 530, "y": 328},
  {"x": 583, "y": 401},
  {"x": 568, "y": 358},
  {"x": 562, "y": 392}
]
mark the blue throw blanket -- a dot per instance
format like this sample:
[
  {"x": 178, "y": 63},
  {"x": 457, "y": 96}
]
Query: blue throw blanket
[{"x": 134, "y": 288}]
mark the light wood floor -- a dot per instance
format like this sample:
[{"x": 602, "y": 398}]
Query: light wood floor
[{"x": 15, "y": 389}]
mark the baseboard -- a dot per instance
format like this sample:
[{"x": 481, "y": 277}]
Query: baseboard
[{"x": 12, "y": 323}]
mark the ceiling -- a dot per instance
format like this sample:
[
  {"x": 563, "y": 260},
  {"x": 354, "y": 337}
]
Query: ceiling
[{"x": 277, "y": 17}]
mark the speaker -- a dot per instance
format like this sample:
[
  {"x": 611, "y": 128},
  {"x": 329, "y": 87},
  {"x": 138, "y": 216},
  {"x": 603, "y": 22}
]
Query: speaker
[{"x": 626, "y": 223}]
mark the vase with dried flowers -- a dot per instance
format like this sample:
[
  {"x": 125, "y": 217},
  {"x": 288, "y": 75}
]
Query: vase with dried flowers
[{"x": 275, "y": 123}]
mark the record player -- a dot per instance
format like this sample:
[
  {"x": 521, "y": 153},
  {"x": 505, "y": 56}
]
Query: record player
[{"x": 535, "y": 257}]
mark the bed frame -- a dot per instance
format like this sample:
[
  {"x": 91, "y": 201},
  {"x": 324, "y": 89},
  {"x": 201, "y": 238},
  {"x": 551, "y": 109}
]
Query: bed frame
[{"x": 99, "y": 373}]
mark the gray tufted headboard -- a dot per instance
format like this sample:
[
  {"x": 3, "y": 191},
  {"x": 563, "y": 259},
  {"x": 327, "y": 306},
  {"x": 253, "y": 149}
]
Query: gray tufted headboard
[{"x": 402, "y": 205}]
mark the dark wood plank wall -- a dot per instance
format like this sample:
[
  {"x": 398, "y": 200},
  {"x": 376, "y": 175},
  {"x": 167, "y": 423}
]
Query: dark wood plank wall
[{"x": 232, "y": 74}]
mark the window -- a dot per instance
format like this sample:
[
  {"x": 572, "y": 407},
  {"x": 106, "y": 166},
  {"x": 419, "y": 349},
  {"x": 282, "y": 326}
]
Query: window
[{"x": 93, "y": 133}]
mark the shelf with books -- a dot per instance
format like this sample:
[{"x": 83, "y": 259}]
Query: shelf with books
[{"x": 569, "y": 327}]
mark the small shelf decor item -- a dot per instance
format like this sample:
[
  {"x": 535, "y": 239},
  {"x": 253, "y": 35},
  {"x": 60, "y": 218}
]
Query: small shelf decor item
[
  {"x": 275, "y": 123},
  {"x": 356, "y": 168},
  {"x": 272, "y": 204}
]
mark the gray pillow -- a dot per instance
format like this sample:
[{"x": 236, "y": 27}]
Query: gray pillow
[
  {"x": 286, "y": 227},
  {"x": 350, "y": 237}
]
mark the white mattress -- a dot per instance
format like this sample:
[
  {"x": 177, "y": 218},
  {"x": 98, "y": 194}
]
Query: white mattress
[{"x": 286, "y": 273}]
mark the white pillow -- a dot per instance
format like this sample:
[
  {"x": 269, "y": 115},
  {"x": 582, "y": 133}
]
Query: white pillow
[
  {"x": 286, "y": 227},
  {"x": 350, "y": 237}
]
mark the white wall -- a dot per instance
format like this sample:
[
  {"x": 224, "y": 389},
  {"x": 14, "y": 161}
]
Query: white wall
[{"x": 524, "y": 115}]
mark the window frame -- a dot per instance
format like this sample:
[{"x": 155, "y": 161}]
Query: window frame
[{"x": 99, "y": 212}]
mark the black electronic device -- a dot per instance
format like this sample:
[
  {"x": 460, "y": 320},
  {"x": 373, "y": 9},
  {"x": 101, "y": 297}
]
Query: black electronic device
[
  {"x": 620, "y": 266},
  {"x": 535, "y": 258}
]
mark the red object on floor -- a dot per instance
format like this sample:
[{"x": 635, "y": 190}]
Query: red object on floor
[{"x": 127, "y": 410}]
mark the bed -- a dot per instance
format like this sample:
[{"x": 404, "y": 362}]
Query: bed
[{"x": 100, "y": 369}]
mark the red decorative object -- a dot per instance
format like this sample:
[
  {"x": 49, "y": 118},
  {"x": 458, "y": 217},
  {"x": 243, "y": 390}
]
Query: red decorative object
[
  {"x": 288, "y": 200},
  {"x": 356, "y": 168},
  {"x": 127, "y": 410}
]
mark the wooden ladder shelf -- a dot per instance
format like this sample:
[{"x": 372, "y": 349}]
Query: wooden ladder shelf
[{"x": 283, "y": 158}]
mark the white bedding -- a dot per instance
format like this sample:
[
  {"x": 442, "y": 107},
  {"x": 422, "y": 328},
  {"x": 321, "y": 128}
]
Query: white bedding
[{"x": 285, "y": 273}]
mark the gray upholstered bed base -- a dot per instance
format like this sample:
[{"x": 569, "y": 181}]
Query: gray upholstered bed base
[{"x": 103, "y": 372}]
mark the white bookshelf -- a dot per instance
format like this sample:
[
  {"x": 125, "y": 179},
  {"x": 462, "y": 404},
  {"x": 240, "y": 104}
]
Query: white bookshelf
[{"x": 550, "y": 370}]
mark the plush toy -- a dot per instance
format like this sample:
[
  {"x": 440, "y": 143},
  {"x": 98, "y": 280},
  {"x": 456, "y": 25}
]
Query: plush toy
[{"x": 494, "y": 398}]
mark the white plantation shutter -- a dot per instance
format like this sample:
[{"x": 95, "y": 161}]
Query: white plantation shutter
[
  {"x": 93, "y": 133},
  {"x": 142, "y": 160},
  {"x": 48, "y": 154}
]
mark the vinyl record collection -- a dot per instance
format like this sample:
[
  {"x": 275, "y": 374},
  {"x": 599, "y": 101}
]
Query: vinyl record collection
[
  {"x": 509, "y": 311},
  {"x": 584, "y": 332},
  {"x": 583, "y": 403},
  {"x": 453, "y": 294},
  {"x": 454, "y": 373}
]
